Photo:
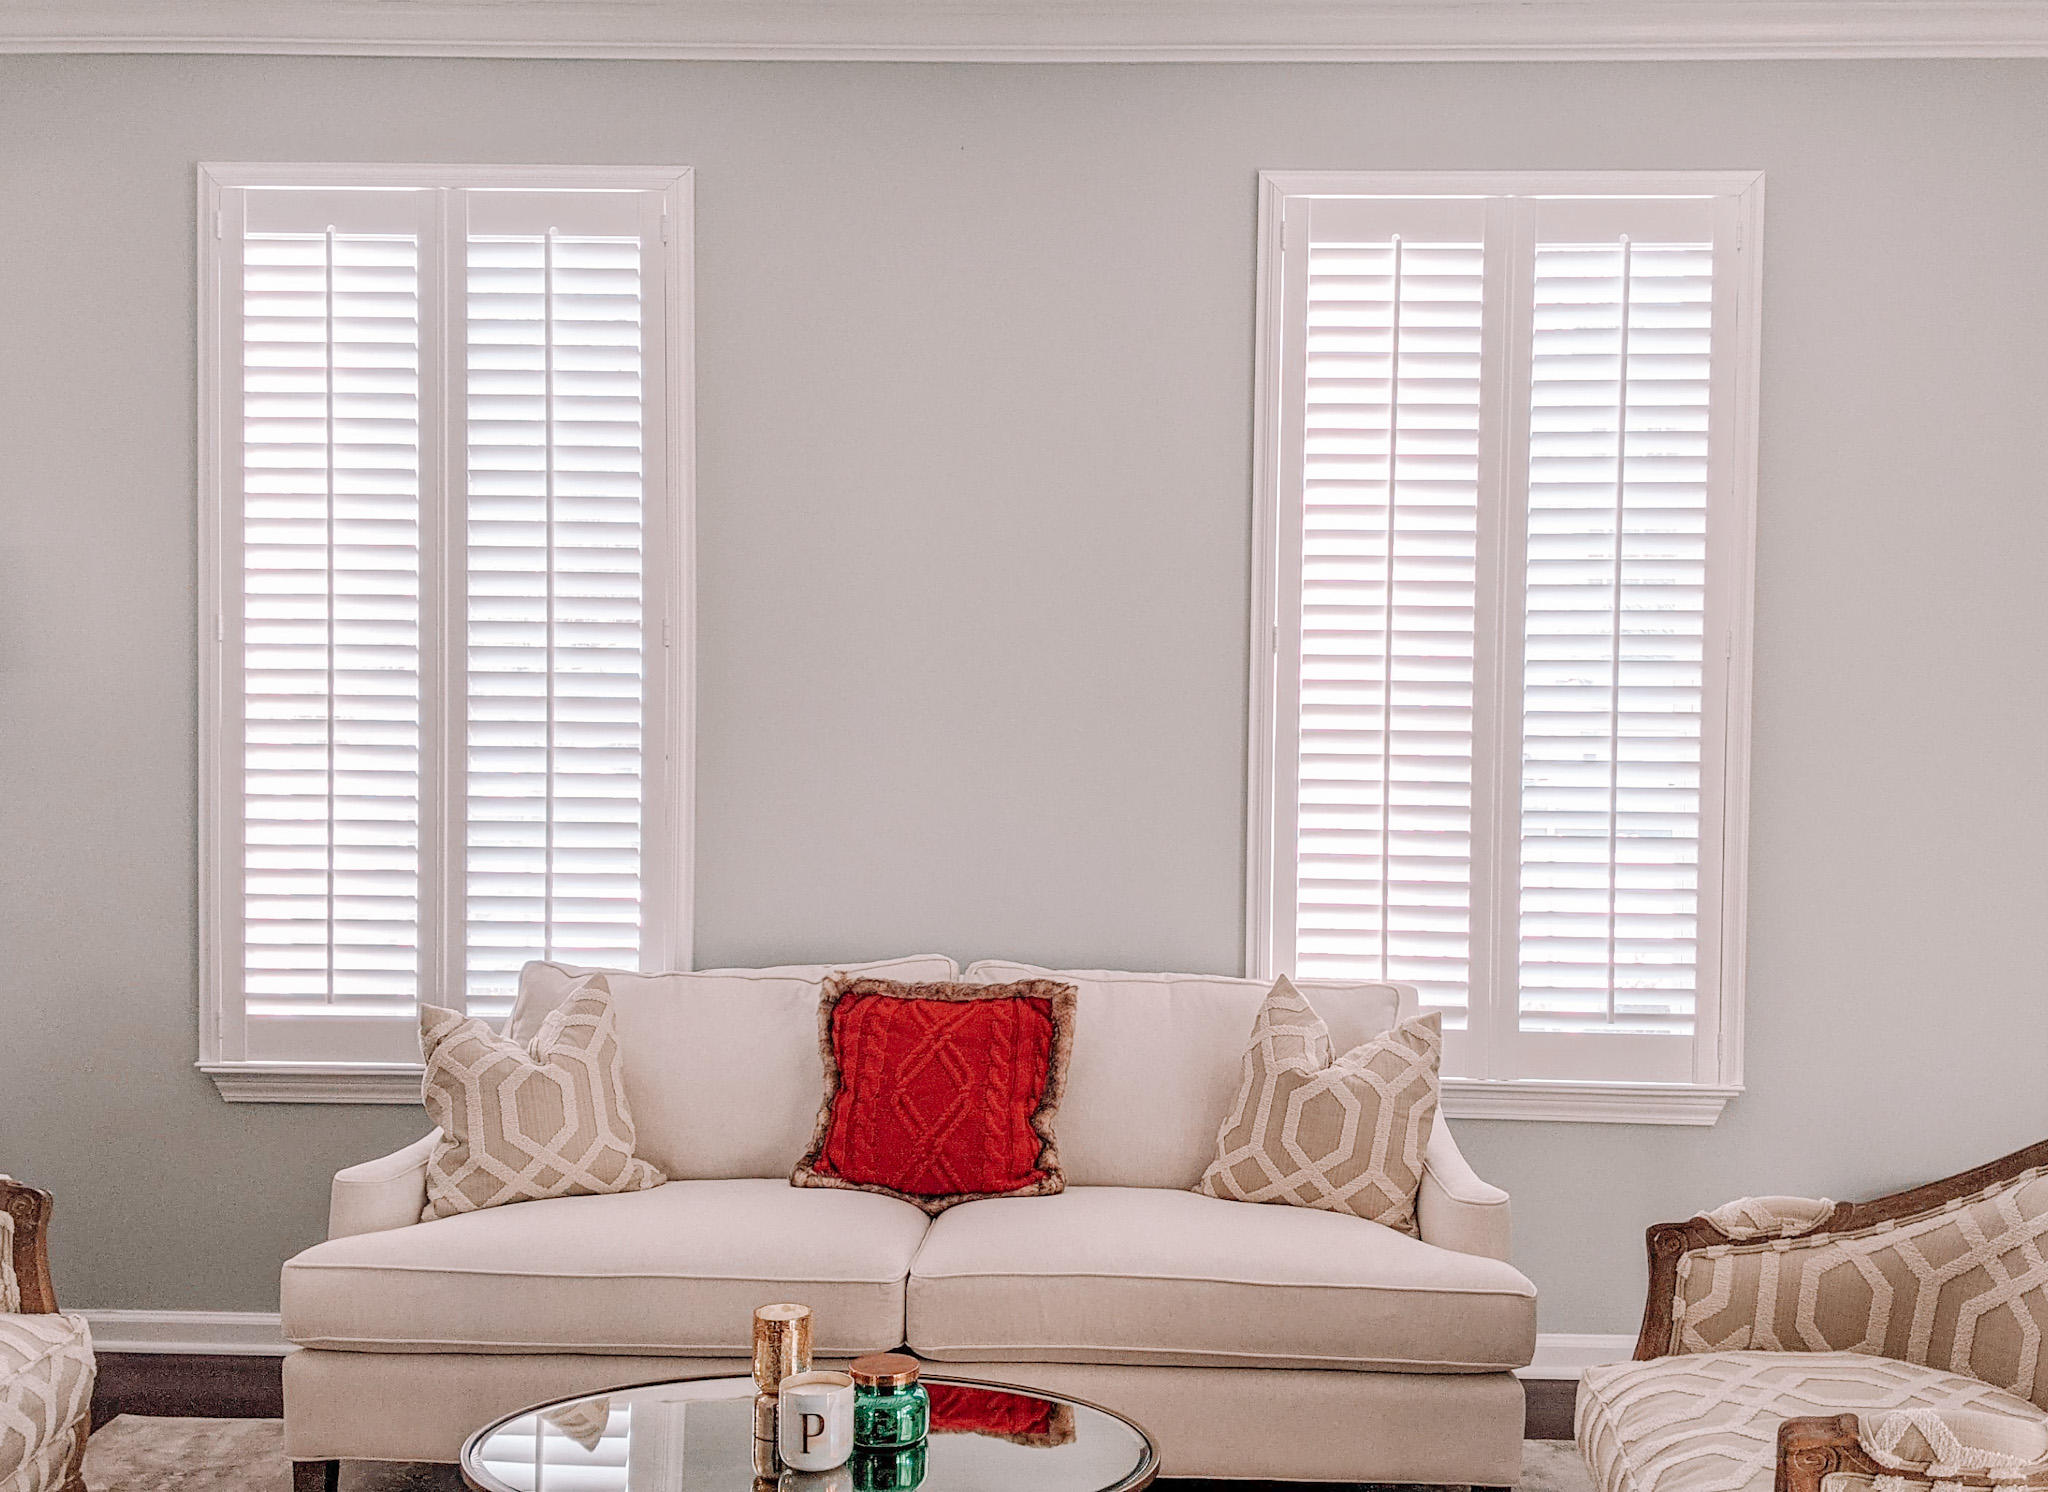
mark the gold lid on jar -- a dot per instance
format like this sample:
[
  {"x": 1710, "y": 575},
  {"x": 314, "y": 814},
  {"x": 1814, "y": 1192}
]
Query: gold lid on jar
[{"x": 883, "y": 1370}]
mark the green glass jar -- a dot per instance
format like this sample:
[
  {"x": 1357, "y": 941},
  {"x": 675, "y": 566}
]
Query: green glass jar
[
  {"x": 890, "y": 1407},
  {"x": 900, "y": 1470}
]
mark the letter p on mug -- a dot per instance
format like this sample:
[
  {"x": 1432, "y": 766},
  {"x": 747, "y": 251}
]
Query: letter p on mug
[{"x": 814, "y": 1420}]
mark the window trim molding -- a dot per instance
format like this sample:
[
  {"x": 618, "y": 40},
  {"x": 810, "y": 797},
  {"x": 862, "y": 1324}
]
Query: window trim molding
[
  {"x": 1699, "y": 1102},
  {"x": 315, "y": 1082},
  {"x": 1541, "y": 1100},
  {"x": 673, "y": 838}
]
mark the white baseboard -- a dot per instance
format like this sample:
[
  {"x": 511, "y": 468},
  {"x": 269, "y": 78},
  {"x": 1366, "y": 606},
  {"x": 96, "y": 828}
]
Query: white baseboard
[
  {"x": 258, "y": 1334},
  {"x": 1566, "y": 1354},
  {"x": 241, "y": 1333}
]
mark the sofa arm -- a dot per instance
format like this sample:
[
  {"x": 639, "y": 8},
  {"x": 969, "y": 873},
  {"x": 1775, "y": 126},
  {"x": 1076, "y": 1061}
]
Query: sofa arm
[
  {"x": 1455, "y": 1209},
  {"x": 389, "y": 1192}
]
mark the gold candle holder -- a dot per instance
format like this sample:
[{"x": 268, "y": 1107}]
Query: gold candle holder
[
  {"x": 782, "y": 1344},
  {"x": 764, "y": 1417}
]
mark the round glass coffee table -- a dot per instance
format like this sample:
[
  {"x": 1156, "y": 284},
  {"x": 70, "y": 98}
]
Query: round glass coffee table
[{"x": 697, "y": 1435}]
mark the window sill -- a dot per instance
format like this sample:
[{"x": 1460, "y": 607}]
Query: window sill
[
  {"x": 315, "y": 1082},
  {"x": 1584, "y": 1103}
]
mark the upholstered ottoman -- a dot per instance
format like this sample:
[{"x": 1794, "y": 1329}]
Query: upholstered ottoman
[{"x": 1708, "y": 1422}]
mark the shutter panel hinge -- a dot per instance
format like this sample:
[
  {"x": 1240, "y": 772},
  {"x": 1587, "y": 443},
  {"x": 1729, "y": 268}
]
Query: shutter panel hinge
[
  {"x": 664, "y": 632},
  {"x": 664, "y": 225},
  {"x": 220, "y": 628},
  {"x": 216, "y": 222},
  {"x": 1293, "y": 230}
]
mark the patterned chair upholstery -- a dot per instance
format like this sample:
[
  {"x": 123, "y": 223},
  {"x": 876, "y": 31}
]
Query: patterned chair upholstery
[
  {"x": 46, "y": 1362},
  {"x": 1810, "y": 1346}
]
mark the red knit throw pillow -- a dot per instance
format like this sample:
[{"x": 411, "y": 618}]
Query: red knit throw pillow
[
  {"x": 940, "y": 1093},
  {"x": 1025, "y": 1419}
]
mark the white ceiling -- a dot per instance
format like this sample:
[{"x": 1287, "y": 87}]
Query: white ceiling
[{"x": 1040, "y": 30}]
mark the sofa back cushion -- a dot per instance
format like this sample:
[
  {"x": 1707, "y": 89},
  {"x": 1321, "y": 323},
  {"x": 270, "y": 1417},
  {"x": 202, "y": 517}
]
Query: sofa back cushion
[
  {"x": 1158, "y": 1057},
  {"x": 722, "y": 1067}
]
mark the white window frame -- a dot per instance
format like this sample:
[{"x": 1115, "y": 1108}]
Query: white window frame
[
  {"x": 1270, "y": 888},
  {"x": 668, "y": 602}
]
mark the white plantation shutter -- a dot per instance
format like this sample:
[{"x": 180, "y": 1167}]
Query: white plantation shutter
[
  {"x": 1614, "y": 628},
  {"x": 1510, "y": 539},
  {"x": 557, "y": 453},
  {"x": 444, "y": 577},
  {"x": 328, "y": 581},
  {"x": 1388, "y": 606}
]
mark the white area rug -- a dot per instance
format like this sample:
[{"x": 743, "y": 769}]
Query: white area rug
[{"x": 138, "y": 1454}]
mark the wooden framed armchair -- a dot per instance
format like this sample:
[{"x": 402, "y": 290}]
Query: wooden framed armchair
[
  {"x": 1804, "y": 1345},
  {"x": 46, "y": 1362}
]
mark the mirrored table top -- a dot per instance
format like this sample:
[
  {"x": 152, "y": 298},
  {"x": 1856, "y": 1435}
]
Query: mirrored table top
[{"x": 697, "y": 1435}]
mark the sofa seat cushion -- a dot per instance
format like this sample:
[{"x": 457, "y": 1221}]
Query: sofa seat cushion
[
  {"x": 1708, "y": 1422},
  {"x": 1143, "y": 1276},
  {"x": 46, "y": 1376},
  {"x": 677, "y": 1270}
]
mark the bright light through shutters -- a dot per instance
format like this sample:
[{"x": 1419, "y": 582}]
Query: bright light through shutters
[
  {"x": 330, "y": 569},
  {"x": 1389, "y": 557},
  {"x": 444, "y": 581},
  {"x": 1615, "y": 627},
  {"x": 1510, "y": 526},
  {"x": 555, "y": 645}
]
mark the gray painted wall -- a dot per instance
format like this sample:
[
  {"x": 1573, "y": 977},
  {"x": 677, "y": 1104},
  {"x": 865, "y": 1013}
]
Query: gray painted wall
[{"x": 974, "y": 356}]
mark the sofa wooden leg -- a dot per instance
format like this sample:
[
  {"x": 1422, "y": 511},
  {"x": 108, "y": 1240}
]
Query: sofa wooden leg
[{"x": 316, "y": 1476}]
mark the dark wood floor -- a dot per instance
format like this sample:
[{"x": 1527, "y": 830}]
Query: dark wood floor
[
  {"x": 187, "y": 1383},
  {"x": 250, "y": 1388}
]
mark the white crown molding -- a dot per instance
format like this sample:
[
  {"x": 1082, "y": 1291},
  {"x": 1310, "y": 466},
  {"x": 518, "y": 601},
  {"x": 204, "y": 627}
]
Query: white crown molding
[
  {"x": 260, "y": 1334},
  {"x": 1584, "y": 1103},
  {"x": 237, "y": 1333},
  {"x": 1041, "y": 30}
]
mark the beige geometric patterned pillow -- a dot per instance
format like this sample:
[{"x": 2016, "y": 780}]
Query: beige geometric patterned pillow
[
  {"x": 523, "y": 1122},
  {"x": 1341, "y": 1136}
]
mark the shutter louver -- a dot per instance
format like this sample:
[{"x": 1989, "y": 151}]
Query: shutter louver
[
  {"x": 1614, "y": 641},
  {"x": 556, "y": 703},
  {"x": 1389, "y": 592},
  {"x": 330, "y": 568}
]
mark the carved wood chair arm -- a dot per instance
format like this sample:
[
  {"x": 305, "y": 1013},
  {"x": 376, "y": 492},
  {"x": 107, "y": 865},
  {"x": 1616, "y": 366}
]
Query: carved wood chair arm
[
  {"x": 30, "y": 1210},
  {"x": 1809, "y": 1449}
]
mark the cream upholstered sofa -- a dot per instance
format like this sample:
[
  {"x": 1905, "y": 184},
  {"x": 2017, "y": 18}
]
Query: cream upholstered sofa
[
  {"x": 46, "y": 1361},
  {"x": 1251, "y": 1340},
  {"x": 1813, "y": 1346}
]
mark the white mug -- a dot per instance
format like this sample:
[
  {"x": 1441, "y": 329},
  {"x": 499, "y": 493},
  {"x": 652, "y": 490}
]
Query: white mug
[{"x": 814, "y": 1420}]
